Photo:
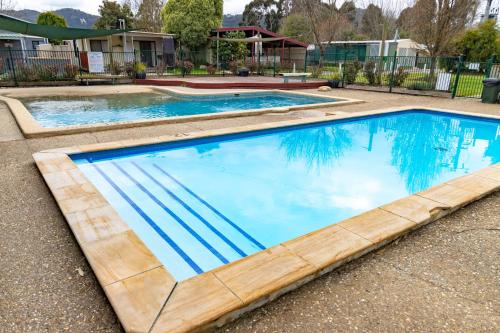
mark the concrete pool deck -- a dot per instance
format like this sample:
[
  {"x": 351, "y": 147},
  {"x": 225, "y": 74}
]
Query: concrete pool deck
[{"x": 45, "y": 289}]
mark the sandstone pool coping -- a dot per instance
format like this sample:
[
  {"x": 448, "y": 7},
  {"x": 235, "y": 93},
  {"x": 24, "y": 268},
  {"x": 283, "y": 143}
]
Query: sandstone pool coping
[
  {"x": 32, "y": 128},
  {"x": 147, "y": 298}
]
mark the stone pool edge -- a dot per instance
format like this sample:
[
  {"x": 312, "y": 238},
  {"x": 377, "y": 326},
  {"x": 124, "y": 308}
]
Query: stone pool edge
[
  {"x": 32, "y": 129},
  {"x": 147, "y": 298}
]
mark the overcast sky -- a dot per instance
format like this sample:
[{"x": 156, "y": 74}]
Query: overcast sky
[
  {"x": 91, "y": 6},
  {"x": 230, "y": 6}
]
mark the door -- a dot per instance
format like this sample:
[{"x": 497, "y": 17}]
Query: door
[{"x": 146, "y": 53}]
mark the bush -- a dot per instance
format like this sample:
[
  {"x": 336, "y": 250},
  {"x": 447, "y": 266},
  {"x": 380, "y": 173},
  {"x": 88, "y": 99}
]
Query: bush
[
  {"x": 316, "y": 71},
  {"x": 139, "y": 67},
  {"x": 351, "y": 70},
  {"x": 448, "y": 64},
  {"x": 186, "y": 67},
  {"x": 26, "y": 72},
  {"x": 420, "y": 85},
  {"x": 129, "y": 69},
  {"x": 114, "y": 68},
  {"x": 160, "y": 69},
  {"x": 252, "y": 67},
  {"x": 287, "y": 67},
  {"x": 233, "y": 67},
  {"x": 70, "y": 71},
  {"x": 211, "y": 69},
  {"x": 399, "y": 77},
  {"x": 48, "y": 72},
  {"x": 335, "y": 76},
  {"x": 369, "y": 72}
]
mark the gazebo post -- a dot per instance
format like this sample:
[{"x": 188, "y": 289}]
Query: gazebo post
[
  {"x": 258, "y": 58},
  {"x": 282, "y": 51},
  {"x": 218, "y": 66},
  {"x": 253, "y": 47}
]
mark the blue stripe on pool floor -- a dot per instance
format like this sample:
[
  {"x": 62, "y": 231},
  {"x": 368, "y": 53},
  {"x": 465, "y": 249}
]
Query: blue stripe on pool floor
[
  {"x": 193, "y": 212},
  {"x": 173, "y": 215},
  {"x": 150, "y": 221},
  {"x": 222, "y": 216}
]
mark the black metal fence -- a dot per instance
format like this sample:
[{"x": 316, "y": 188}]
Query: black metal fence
[
  {"x": 35, "y": 65},
  {"x": 450, "y": 75},
  {"x": 21, "y": 65}
]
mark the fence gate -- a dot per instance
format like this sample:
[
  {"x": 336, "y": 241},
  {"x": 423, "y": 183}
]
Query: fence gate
[{"x": 470, "y": 76}]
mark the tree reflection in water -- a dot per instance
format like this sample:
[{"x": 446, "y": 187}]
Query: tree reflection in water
[
  {"x": 422, "y": 148},
  {"x": 317, "y": 147}
]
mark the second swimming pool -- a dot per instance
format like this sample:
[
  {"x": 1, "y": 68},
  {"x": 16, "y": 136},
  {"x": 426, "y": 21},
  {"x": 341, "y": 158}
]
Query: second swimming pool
[{"x": 52, "y": 112}]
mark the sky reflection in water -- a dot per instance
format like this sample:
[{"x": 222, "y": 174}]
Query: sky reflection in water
[
  {"x": 279, "y": 185},
  {"x": 282, "y": 185}
]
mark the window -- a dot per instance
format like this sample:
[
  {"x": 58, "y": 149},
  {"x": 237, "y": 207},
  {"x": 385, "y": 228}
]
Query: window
[
  {"x": 96, "y": 46},
  {"x": 35, "y": 43}
]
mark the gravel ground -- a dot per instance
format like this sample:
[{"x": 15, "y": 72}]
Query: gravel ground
[{"x": 443, "y": 277}]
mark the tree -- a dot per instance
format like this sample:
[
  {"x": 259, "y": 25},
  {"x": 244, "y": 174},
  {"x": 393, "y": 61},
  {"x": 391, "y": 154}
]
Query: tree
[
  {"x": 480, "y": 43},
  {"x": 263, "y": 13},
  {"x": 111, "y": 12},
  {"x": 6, "y": 5},
  {"x": 233, "y": 51},
  {"x": 52, "y": 19},
  {"x": 372, "y": 22},
  {"x": 326, "y": 21},
  {"x": 148, "y": 15},
  {"x": 436, "y": 23},
  {"x": 297, "y": 26},
  {"x": 192, "y": 20},
  {"x": 348, "y": 9}
]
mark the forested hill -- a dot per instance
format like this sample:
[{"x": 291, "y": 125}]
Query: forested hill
[
  {"x": 74, "y": 18},
  {"x": 232, "y": 20}
]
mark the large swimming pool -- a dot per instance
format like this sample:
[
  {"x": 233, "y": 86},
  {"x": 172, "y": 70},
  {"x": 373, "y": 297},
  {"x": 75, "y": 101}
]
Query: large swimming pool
[
  {"x": 52, "y": 112},
  {"x": 202, "y": 203}
]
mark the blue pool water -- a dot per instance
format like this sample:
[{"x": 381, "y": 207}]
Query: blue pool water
[
  {"x": 69, "y": 111},
  {"x": 199, "y": 204}
]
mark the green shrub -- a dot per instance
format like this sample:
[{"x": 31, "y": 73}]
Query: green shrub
[
  {"x": 369, "y": 72},
  {"x": 187, "y": 67},
  {"x": 420, "y": 85},
  {"x": 316, "y": 71},
  {"x": 114, "y": 68},
  {"x": 139, "y": 67},
  {"x": 335, "y": 76},
  {"x": 233, "y": 67},
  {"x": 129, "y": 69},
  {"x": 399, "y": 77},
  {"x": 211, "y": 69},
  {"x": 351, "y": 70},
  {"x": 252, "y": 67},
  {"x": 48, "y": 72},
  {"x": 70, "y": 71},
  {"x": 160, "y": 69},
  {"x": 26, "y": 72}
]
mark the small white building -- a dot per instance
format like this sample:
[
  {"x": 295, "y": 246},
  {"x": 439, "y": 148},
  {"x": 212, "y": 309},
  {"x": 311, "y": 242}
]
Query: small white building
[
  {"x": 150, "y": 46},
  {"x": 371, "y": 48},
  {"x": 17, "y": 41}
]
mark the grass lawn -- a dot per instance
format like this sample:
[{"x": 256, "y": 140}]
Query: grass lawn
[{"x": 469, "y": 85}]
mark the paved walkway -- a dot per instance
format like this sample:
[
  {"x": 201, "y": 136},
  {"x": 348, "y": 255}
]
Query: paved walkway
[{"x": 444, "y": 277}]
